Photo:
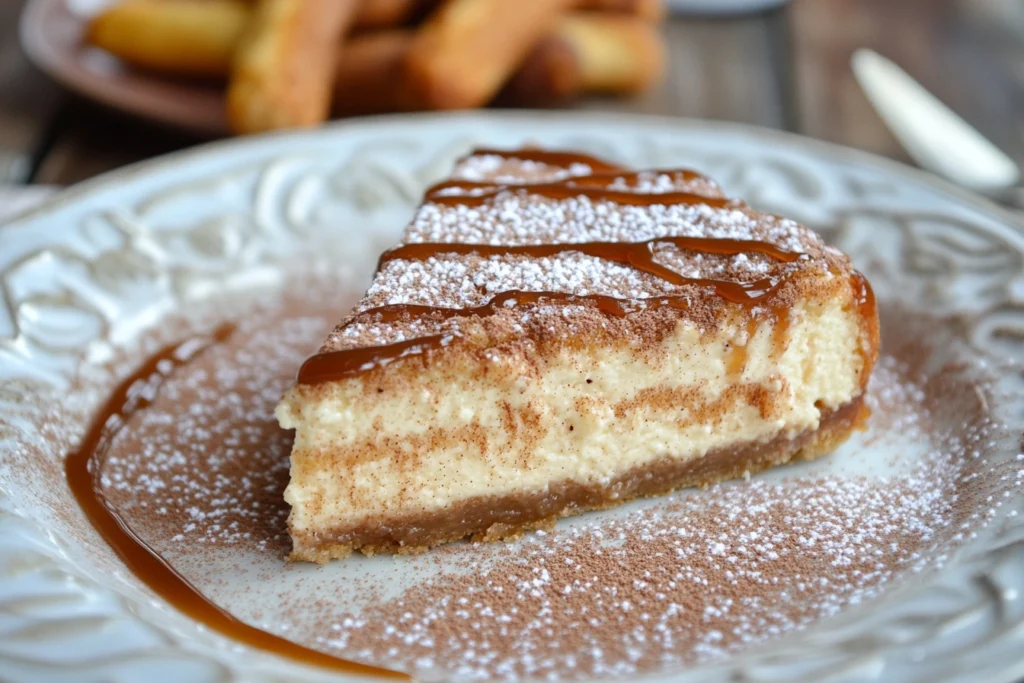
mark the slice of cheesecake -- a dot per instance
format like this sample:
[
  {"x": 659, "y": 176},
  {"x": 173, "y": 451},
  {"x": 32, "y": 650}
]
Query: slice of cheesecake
[{"x": 556, "y": 334}]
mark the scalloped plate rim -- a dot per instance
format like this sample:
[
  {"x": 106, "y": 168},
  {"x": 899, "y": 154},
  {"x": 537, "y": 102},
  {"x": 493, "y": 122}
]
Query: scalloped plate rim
[
  {"x": 1005, "y": 221},
  {"x": 174, "y": 159}
]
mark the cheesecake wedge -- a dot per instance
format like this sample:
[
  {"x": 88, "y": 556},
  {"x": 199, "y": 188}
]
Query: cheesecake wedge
[{"x": 557, "y": 334}]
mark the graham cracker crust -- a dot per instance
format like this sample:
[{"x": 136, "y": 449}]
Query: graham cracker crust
[{"x": 508, "y": 517}]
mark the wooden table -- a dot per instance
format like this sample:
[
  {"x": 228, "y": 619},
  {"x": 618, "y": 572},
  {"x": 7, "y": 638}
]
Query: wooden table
[{"x": 785, "y": 69}]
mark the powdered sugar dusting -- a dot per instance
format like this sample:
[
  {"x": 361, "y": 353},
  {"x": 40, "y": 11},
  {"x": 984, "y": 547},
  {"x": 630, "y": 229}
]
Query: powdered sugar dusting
[
  {"x": 689, "y": 581},
  {"x": 515, "y": 216},
  {"x": 207, "y": 464},
  {"x": 693, "y": 578},
  {"x": 689, "y": 578},
  {"x": 495, "y": 168}
]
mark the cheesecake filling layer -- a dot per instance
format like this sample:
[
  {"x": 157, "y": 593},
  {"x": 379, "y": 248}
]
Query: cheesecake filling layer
[
  {"x": 493, "y": 518},
  {"x": 517, "y": 422}
]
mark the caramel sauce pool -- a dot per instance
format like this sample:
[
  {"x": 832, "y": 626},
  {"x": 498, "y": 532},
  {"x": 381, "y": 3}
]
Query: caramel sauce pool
[{"x": 134, "y": 394}]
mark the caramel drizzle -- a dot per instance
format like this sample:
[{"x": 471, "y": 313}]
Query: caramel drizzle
[
  {"x": 638, "y": 255},
  {"x": 82, "y": 470},
  {"x": 332, "y": 365},
  {"x": 865, "y": 296},
  {"x": 596, "y": 187},
  {"x": 566, "y": 189},
  {"x": 611, "y": 305},
  {"x": 597, "y": 180}
]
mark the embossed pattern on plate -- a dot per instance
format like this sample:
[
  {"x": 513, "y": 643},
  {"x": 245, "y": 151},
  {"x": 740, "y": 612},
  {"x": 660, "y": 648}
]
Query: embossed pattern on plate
[{"x": 89, "y": 271}]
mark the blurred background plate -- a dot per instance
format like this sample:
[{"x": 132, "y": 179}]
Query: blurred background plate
[{"x": 52, "y": 34}]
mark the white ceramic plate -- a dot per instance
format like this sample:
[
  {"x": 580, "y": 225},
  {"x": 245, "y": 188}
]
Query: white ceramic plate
[{"x": 85, "y": 276}]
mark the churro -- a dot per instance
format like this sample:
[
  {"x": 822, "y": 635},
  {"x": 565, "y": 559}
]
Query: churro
[
  {"x": 187, "y": 38},
  {"x": 283, "y": 71},
  {"x": 467, "y": 49}
]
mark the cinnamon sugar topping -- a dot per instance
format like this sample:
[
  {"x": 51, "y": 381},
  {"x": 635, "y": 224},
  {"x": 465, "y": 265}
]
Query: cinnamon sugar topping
[{"x": 517, "y": 224}]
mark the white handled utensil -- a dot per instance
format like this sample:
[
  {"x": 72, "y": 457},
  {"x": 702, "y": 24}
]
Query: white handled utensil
[{"x": 933, "y": 135}]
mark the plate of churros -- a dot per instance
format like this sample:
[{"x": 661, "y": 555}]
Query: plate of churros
[
  {"x": 242, "y": 66},
  {"x": 487, "y": 395}
]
